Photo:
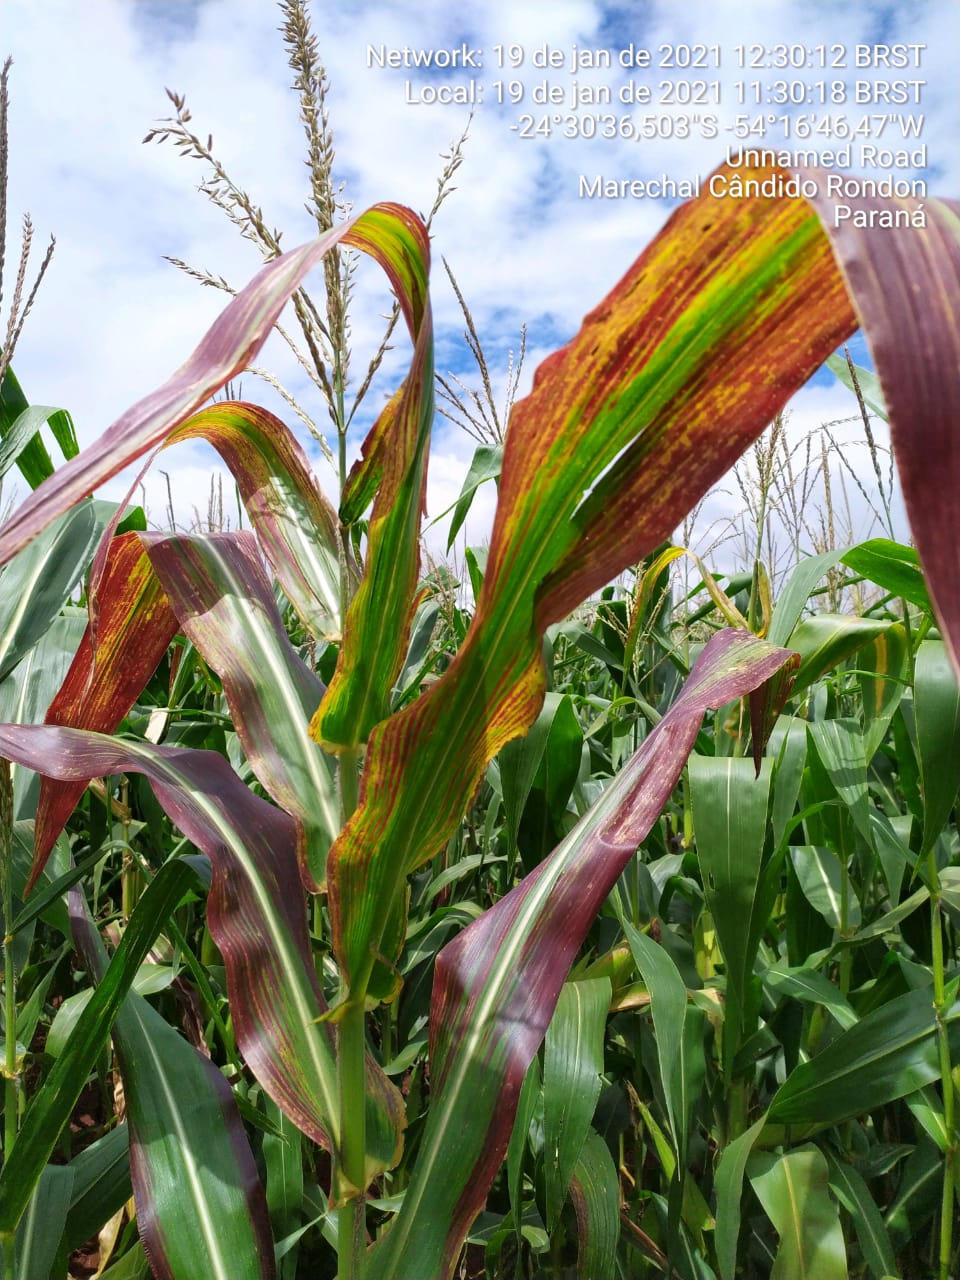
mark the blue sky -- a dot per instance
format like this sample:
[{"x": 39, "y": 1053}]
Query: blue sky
[{"x": 113, "y": 318}]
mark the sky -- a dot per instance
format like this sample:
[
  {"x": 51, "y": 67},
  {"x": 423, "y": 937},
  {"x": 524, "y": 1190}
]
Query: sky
[{"x": 113, "y": 318}]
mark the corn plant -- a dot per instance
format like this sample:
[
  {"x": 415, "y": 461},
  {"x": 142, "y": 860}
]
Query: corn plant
[{"x": 728, "y": 311}]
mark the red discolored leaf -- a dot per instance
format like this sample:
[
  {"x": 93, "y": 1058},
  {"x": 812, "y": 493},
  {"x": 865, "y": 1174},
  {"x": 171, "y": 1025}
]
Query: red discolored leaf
[
  {"x": 256, "y": 913},
  {"x": 225, "y": 605},
  {"x": 115, "y": 660},
  {"x": 731, "y": 308},
  {"x": 905, "y": 284}
]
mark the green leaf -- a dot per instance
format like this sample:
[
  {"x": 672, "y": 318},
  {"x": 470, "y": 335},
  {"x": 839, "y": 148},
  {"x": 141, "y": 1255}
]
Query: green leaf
[
  {"x": 729, "y": 1187},
  {"x": 811, "y": 987},
  {"x": 572, "y": 1066},
  {"x": 890, "y": 1053},
  {"x": 821, "y": 878},
  {"x": 44, "y": 903},
  {"x": 793, "y": 1189},
  {"x": 486, "y": 464},
  {"x": 132, "y": 1266},
  {"x": 418, "y": 658},
  {"x": 40, "y": 579},
  {"x": 283, "y": 1159},
  {"x": 788, "y": 747},
  {"x": 840, "y": 748},
  {"x": 32, "y": 458},
  {"x": 545, "y": 818},
  {"x": 668, "y": 1005},
  {"x": 826, "y": 640},
  {"x": 927, "y": 1110},
  {"x": 868, "y": 381},
  {"x": 850, "y": 1188},
  {"x": 101, "y": 1186},
  {"x": 26, "y": 694},
  {"x": 595, "y": 1193},
  {"x": 918, "y": 1194},
  {"x": 530, "y": 1097},
  {"x": 884, "y": 673},
  {"x": 795, "y": 595},
  {"x": 892, "y": 566},
  {"x": 519, "y": 762},
  {"x": 68, "y": 1013},
  {"x": 54, "y": 1101},
  {"x": 730, "y": 806},
  {"x": 21, "y": 431},
  {"x": 200, "y": 1206},
  {"x": 937, "y": 700},
  {"x": 38, "y": 1234}
]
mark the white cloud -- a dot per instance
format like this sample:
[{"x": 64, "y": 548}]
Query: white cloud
[{"x": 112, "y": 320}]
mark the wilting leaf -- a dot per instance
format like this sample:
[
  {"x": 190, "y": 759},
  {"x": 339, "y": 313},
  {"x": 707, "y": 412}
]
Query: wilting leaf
[
  {"x": 395, "y": 457},
  {"x": 229, "y": 346},
  {"x": 498, "y": 981},
  {"x": 295, "y": 524},
  {"x": 256, "y": 916},
  {"x": 667, "y": 382},
  {"x": 220, "y": 594},
  {"x": 907, "y": 293}
]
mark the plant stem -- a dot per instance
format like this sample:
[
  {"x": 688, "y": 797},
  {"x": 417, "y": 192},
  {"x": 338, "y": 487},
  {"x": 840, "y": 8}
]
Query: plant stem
[
  {"x": 10, "y": 1099},
  {"x": 946, "y": 1074},
  {"x": 351, "y": 1068},
  {"x": 348, "y": 784},
  {"x": 351, "y": 1236}
]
